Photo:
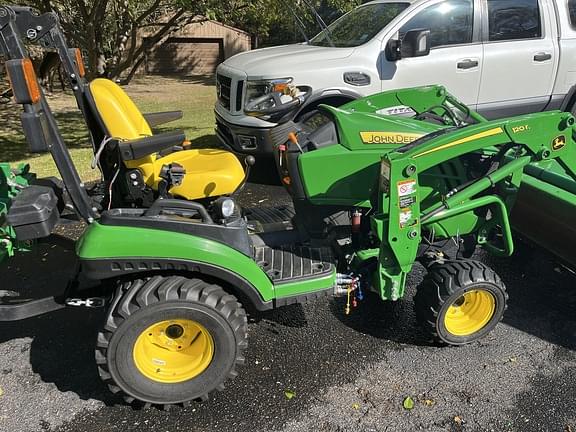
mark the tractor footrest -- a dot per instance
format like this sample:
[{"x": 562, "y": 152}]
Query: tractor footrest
[
  {"x": 290, "y": 263},
  {"x": 268, "y": 219},
  {"x": 32, "y": 308}
]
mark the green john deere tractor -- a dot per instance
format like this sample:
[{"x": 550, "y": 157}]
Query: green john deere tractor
[{"x": 373, "y": 194}]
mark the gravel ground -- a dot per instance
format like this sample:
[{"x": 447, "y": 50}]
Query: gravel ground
[{"x": 346, "y": 372}]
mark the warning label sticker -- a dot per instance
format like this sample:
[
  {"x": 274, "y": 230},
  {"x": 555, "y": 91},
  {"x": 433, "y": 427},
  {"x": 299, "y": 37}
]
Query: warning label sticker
[
  {"x": 407, "y": 201},
  {"x": 405, "y": 217},
  {"x": 406, "y": 187}
]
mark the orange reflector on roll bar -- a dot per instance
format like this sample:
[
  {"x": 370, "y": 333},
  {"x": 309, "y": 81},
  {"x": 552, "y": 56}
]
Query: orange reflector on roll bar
[
  {"x": 31, "y": 80},
  {"x": 27, "y": 74}
]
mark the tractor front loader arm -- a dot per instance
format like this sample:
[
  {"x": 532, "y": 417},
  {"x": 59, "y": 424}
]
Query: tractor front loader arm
[{"x": 479, "y": 206}]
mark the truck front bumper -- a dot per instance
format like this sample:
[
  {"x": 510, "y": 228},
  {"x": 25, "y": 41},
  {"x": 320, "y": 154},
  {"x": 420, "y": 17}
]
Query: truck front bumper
[{"x": 251, "y": 140}]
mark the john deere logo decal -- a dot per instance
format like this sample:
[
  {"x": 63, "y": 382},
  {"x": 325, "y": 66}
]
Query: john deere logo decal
[
  {"x": 558, "y": 142},
  {"x": 388, "y": 137}
]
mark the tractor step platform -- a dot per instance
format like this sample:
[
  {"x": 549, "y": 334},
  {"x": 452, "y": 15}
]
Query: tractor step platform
[
  {"x": 269, "y": 219},
  {"x": 28, "y": 309},
  {"x": 290, "y": 263}
]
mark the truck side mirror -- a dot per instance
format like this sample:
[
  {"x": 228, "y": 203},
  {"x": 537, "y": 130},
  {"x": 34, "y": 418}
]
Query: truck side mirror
[
  {"x": 393, "y": 50},
  {"x": 416, "y": 43}
]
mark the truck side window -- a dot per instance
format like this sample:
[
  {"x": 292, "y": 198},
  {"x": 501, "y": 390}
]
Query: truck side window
[
  {"x": 513, "y": 19},
  {"x": 572, "y": 12},
  {"x": 450, "y": 23}
]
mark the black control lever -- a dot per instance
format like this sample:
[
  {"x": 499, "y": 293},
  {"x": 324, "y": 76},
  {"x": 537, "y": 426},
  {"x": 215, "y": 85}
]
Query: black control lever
[{"x": 249, "y": 161}]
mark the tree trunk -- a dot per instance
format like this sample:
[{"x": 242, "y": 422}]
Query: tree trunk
[{"x": 47, "y": 70}]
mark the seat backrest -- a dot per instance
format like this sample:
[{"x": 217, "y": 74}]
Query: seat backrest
[{"x": 122, "y": 118}]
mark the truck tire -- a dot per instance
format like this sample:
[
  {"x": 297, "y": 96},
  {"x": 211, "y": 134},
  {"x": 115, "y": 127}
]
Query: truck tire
[
  {"x": 170, "y": 340},
  {"x": 459, "y": 302}
]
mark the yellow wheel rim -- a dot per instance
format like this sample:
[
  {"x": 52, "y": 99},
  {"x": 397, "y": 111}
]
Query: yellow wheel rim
[
  {"x": 173, "y": 351},
  {"x": 470, "y": 313}
]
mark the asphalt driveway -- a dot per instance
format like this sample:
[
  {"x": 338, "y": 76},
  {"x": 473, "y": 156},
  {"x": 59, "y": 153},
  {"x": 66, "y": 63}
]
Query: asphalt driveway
[{"x": 344, "y": 373}]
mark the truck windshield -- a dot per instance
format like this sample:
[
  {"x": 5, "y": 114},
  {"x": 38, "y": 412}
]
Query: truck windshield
[{"x": 359, "y": 25}]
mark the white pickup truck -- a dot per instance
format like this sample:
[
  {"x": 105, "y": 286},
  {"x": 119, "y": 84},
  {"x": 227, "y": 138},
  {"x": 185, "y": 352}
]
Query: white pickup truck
[{"x": 501, "y": 57}]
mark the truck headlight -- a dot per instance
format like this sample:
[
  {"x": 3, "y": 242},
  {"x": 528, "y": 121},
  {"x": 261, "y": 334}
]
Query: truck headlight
[
  {"x": 270, "y": 99},
  {"x": 257, "y": 89}
]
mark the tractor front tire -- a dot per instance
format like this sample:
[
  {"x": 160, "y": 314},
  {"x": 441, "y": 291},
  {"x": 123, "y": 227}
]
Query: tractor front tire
[
  {"x": 459, "y": 302},
  {"x": 170, "y": 340}
]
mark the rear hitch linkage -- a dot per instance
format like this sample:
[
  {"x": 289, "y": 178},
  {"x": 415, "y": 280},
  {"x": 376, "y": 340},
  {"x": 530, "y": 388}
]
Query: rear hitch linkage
[{"x": 92, "y": 302}]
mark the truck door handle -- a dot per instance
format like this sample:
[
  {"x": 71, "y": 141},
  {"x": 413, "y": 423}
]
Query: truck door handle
[
  {"x": 542, "y": 56},
  {"x": 467, "y": 64}
]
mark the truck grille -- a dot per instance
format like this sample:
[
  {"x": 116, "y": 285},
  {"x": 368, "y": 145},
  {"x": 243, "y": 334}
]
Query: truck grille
[
  {"x": 224, "y": 90},
  {"x": 239, "y": 94},
  {"x": 230, "y": 92}
]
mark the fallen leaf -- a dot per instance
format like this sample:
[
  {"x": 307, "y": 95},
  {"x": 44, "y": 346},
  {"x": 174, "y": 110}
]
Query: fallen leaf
[
  {"x": 568, "y": 428},
  {"x": 429, "y": 402},
  {"x": 458, "y": 420},
  {"x": 408, "y": 403},
  {"x": 356, "y": 406},
  {"x": 289, "y": 394},
  {"x": 1, "y": 392}
]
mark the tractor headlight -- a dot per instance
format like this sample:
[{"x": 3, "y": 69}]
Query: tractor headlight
[{"x": 225, "y": 207}]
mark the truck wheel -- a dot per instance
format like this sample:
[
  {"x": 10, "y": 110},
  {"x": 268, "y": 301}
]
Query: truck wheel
[
  {"x": 170, "y": 340},
  {"x": 460, "y": 302}
]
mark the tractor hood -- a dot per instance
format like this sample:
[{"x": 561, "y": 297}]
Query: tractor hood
[
  {"x": 277, "y": 62},
  {"x": 360, "y": 129}
]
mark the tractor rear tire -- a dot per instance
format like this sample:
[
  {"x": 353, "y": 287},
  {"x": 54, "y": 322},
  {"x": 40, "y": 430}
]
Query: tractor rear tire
[
  {"x": 170, "y": 340},
  {"x": 459, "y": 302}
]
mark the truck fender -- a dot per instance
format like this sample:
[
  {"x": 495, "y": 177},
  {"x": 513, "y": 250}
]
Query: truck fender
[{"x": 326, "y": 96}]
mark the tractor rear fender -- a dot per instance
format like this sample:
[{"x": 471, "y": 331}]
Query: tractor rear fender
[{"x": 107, "y": 252}]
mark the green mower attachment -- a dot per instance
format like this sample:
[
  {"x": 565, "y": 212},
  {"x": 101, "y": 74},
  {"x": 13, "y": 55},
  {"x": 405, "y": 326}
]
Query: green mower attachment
[{"x": 12, "y": 182}]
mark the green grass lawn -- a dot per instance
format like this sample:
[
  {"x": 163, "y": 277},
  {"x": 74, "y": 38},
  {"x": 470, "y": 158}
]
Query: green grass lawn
[{"x": 195, "y": 96}]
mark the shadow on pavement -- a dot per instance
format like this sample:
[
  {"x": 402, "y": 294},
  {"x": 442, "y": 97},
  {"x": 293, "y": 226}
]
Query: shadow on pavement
[
  {"x": 391, "y": 321},
  {"x": 62, "y": 349},
  {"x": 542, "y": 295}
]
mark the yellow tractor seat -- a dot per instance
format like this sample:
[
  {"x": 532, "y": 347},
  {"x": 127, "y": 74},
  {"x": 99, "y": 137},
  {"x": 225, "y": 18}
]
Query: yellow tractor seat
[{"x": 208, "y": 172}]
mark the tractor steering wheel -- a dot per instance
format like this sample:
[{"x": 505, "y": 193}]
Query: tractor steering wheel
[{"x": 447, "y": 111}]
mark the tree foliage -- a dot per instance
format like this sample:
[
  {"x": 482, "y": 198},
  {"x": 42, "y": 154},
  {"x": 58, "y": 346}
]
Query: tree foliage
[{"x": 106, "y": 30}]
